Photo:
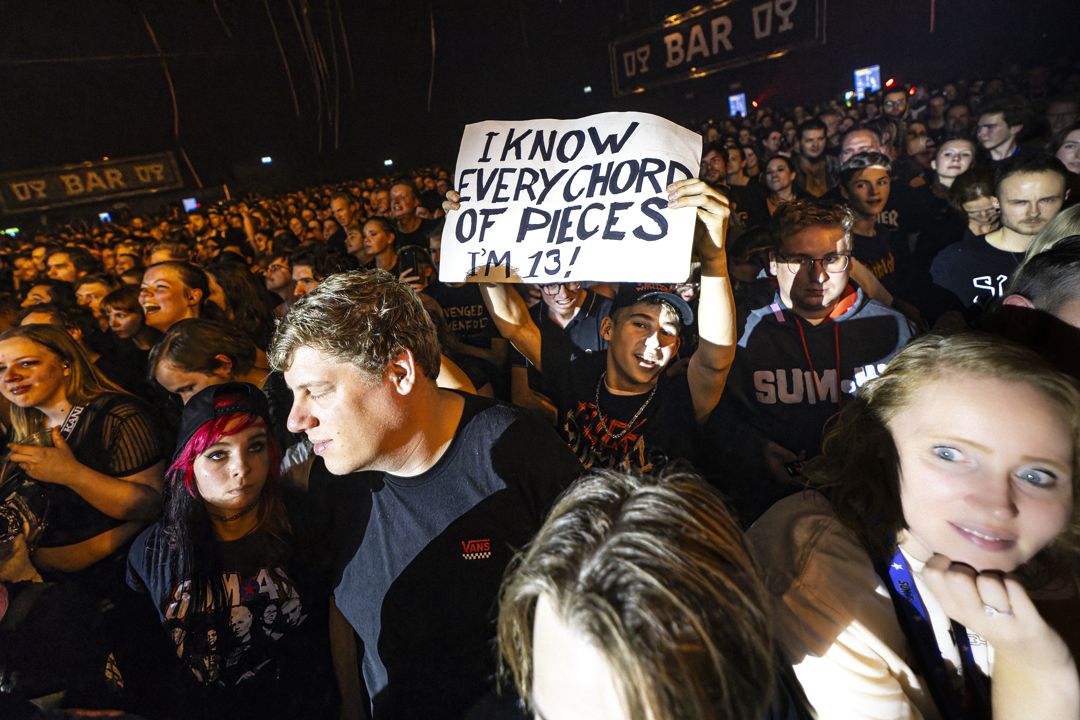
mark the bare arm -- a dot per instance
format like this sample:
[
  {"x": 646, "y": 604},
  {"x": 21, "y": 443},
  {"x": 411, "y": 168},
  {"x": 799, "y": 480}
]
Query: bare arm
[
  {"x": 507, "y": 308},
  {"x": 452, "y": 377},
  {"x": 865, "y": 279},
  {"x": 131, "y": 497},
  {"x": 124, "y": 498},
  {"x": 72, "y": 558},
  {"x": 711, "y": 362},
  {"x": 343, "y": 656},
  {"x": 525, "y": 397}
]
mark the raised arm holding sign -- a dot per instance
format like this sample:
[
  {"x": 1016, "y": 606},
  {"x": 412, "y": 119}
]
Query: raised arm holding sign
[{"x": 617, "y": 409}]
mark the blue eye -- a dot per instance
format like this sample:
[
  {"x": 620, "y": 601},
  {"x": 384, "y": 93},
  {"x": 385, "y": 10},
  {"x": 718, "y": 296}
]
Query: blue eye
[
  {"x": 215, "y": 456},
  {"x": 1037, "y": 477},
  {"x": 948, "y": 454}
]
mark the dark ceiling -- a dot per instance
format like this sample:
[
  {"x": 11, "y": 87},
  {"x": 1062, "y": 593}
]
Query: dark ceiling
[{"x": 82, "y": 80}]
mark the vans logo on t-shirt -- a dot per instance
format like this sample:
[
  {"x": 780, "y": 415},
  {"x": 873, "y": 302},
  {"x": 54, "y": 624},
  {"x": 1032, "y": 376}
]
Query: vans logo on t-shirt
[{"x": 476, "y": 549}]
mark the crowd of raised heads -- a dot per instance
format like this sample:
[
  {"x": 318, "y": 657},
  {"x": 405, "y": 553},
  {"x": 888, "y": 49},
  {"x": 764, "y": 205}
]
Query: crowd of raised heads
[{"x": 260, "y": 459}]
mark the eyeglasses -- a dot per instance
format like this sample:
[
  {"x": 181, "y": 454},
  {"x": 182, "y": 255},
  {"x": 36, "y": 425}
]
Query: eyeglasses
[
  {"x": 831, "y": 263},
  {"x": 553, "y": 288}
]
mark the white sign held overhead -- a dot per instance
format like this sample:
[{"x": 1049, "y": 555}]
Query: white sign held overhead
[{"x": 547, "y": 201}]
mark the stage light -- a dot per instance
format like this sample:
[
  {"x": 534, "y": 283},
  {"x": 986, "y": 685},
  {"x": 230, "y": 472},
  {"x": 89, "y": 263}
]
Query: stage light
[
  {"x": 890, "y": 82},
  {"x": 266, "y": 159},
  {"x": 587, "y": 89},
  {"x": 388, "y": 163},
  {"x": 753, "y": 103}
]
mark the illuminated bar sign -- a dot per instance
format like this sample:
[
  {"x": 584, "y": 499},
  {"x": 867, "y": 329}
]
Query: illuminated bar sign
[
  {"x": 87, "y": 182},
  {"x": 708, "y": 38}
]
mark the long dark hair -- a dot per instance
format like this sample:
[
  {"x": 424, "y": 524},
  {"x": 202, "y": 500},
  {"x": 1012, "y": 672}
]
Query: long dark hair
[
  {"x": 194, "y": 345},
  {"x": 187, "y": 528},
  {"x": 246, "y": 300}
]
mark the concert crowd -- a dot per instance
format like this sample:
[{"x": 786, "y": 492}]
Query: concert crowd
[{"x": 261, "y": 462}]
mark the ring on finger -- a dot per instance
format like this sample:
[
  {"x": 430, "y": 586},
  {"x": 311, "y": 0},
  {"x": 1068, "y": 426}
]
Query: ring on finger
[{"x": 992, "y": 611}]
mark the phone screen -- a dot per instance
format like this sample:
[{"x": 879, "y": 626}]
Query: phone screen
[{"x": 407, "y": 262}]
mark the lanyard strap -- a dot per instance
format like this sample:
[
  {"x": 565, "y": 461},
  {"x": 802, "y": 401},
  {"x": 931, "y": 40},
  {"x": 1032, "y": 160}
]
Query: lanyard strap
[
  {"x": 973, "y": 703},
  {"x": 71, "y": 421}
]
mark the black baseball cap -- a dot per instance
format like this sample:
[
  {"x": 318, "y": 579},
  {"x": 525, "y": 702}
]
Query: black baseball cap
[
  {"x": 633, "y": 293},
  {"x": 217, "y": 401}
]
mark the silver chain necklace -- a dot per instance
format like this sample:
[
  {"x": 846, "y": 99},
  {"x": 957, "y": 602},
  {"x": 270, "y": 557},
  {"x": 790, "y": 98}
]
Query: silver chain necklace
[{"x": 600, "y": 414}]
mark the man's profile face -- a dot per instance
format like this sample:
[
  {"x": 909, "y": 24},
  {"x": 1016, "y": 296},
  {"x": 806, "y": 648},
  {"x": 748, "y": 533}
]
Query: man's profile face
[
  {"x": 380, "y": 202},
  {"x": 772, "y": 141},
  {"x": 858, "y": 141},
  {"x": 278, "y": 274},
  {"x": 868, "y": 191},
  {"x": 812, "y": 143},
  {"x": 713, "y": 167},
  {"x": 735, "y": 159},
  {"x": 59, "y": 267},
  {"x": 304, "y": 280},
  {"x": 811, "y": 292},
  {"x": 91, "y": 294},
  {"x": 993, "y": 132},
  {"x": 1030, "y": 200},
  {"x": 344, "y": 211},
  {"x": 353, "y": 421}
]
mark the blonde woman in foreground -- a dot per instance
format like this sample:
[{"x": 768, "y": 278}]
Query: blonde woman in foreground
[{"x": 893, "y": 583}]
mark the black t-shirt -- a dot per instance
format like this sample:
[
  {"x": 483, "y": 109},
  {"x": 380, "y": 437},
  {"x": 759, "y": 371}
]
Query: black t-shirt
[
  {"x": 115, "y": 436},
  {"x": 418, "y": 560},
  {"x": 465, "y": 312},
  {"x": 929, "y": 216},
  {"x": 664, "y": 431},
  {"x": 52, "y": 638},
  {"x": 126, "y": 365},
  {"x": 751, "y": 208},
  {"x": 336, "y": 244},
  {"x": 974, "y": 271},
  {"x": 583, "y": 331},
  {"x": 877, "y": 253},
  {"x": 261, "y": 658},
  {"x": 418, "y": 237}
]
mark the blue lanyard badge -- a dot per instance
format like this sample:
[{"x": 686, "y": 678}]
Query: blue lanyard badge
[{"x": 973, "y": 702}]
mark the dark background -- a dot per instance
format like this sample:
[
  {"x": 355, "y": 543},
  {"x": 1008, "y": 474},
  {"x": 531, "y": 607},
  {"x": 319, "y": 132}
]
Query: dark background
[{"x": 82, "y": 80}]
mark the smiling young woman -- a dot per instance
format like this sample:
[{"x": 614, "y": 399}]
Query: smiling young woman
[
  {"x": 953, "y": 469},
  {"x": 174, "y": 291},
  {"x": 102, "y": 470}
]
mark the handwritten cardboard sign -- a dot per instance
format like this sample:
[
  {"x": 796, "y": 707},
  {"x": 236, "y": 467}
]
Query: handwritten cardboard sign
[{"x": 546, "y": 201}]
